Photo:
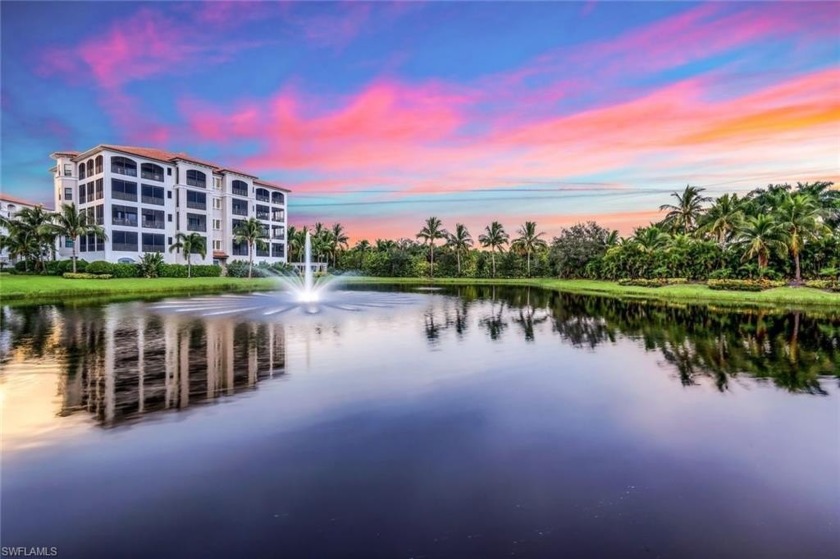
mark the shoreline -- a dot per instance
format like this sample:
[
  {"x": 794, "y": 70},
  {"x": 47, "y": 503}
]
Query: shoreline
[{"x": 33, "y": 290}]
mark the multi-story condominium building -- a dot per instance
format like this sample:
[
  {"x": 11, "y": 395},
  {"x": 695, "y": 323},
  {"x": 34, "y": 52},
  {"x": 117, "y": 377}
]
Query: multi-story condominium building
[
  {"x": 9, "y": 207},
  {"x": 143, "y": 197}
]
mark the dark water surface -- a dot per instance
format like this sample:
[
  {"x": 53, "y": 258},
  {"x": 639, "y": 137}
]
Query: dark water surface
[{"x": 477, "y": 422}]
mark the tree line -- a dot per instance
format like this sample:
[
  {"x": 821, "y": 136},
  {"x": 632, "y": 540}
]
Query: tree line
[{"x": 777, "y": 232}]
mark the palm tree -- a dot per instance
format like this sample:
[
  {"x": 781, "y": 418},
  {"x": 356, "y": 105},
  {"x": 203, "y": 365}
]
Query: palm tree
[
  {"x": 189, "y": 244},
  {"x": 430, "y": 233},
  {"x": 799, "y": 217},
  {"x": 723, "y": 218},
  {"x": 760, "y": 236},
  {"x": 688, "y": 208},
  {"x": 72, "y": 223},
  {"x": 36, "y": 233},
  {"x": 338, "y": 241},
  {"x": 293, "y": 245},
  {"x": 529, "y": 241},
  {"x": 362, "y": 247},
  {"x": 494, "y": 237},
  {"x": 252, "y": 232},
  {"x": 460, "y": 242},
  {"x": 650, "y": 239}
]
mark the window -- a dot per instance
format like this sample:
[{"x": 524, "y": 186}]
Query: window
[
  {"x": 90, "y": 167},
  {"x": 123, "y": 190},
  {"x": 99, "y": 189},
  {"x": 196, "y": 178},
  {"x": 68, "y": 242},
  {"x": 124, "y": 240},
  {"x": 262, "y": 250},
  {"x": 217, "y": 183},
  {"x": 262, "y": 212},
  {"x": 196, "y": 200},
  {"x": 82, "y": 173},
  {"x": 240, "y": 249},
  {"x": 262, "y": 195},
  {"x": 217, "y": 203},
  {"x": 151, "y": 171},
  {"x": 151, "y": 194},
  {"x": 169, "y": 218},
  {"x": 278, "y": 215},
  {"x": 152, "y": 219},
  {"x": 100, "y": 214},
  {"x": 169, "y": 241},
  {"x": 217, "y": 245},
  {"x": 68, "y": 169},
  {"x": 68, "y": 193},
  {"x": 153, "y": 242},
  {"x": 240, "y": 188},
  {"x": 278, "y": 250},
  {"x": 169, "y": 171},
  {"x": 196, "y": 222},
  {"x": 169, "y": 195},
  {"x": 277, "y": 198},
  {"x": 278, "y": 232},
  {"x": 123, "y": 166},
  {"x": 217, "y": 224},
  {"x": 99, "y": 164},
  {"x": 123, "y": 215},
  {"x": 82, "y": 194},
  {"x": 90, "y": 191},
  {"x": 239, "y": 207}
]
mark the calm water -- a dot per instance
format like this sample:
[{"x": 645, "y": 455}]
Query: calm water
[{"x": 461, "y": 423}]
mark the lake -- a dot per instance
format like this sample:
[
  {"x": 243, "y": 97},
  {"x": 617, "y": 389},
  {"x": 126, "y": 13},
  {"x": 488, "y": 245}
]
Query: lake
[{"x": 460, "y": 422}]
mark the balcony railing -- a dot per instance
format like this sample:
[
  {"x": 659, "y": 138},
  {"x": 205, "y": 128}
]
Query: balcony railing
[
  {"x": 152, "y": 200},
  {"x": 239, "y": 211},
  {"x": 117, "y": 195},
  {"x": 124, "y": 222},
  {"x": 125, "y": 247},
  {"x": 278, "y": 216},
  {"x": 152, "y": 248},
  {"x": 154, "y": 224},
  {"x": 197, "y": 227},
  {"x": 278, "y": 235},
  {"x": 240, "y": 192},
  {"x": 196, "y": 205},
  {"x": 262, "y": 215},
  {"x": 128, "y": 171},
  {"x": 240, "y": 250},
  {"x": 262, "y": 198},
  {"x": 151, "y": 176}
]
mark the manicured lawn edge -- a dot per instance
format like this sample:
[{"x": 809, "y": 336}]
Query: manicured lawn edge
[
  {"x": 792, "y": 297},
  {"x": 48, "y": 289}
]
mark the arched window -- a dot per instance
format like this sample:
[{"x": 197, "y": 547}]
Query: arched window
[
  {"x": 123, "y": 166},
  {"x": 240, "y": 188},
  {"x": 90, "y": 167},
  {"x": 196, "y": 178},
  {"x": 81, "y": 170},
  {"x": 11, "y": 208},
  {"x": 276, "y": 197},
  {"x": 98, "y": 164},
  {"x": 262, "y": 195},
  {"x": 151, "y": 171}
]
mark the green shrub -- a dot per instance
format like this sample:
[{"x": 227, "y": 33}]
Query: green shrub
[
  {"x": 830, "y": 273},
  {"x": 172, "y": 271},
  {"x": 125, "y": 270},
  {"x": 20, "y": 266},
  {"x": 744, "y": 285},
  {"x": 828, "y": 284},
  {"x": 239, "y": 269},
  {"x": 67, "y": 266},
  {"x": 71, "y": 275},
  {"x": 723, "y": 273},
  {"x": 655, "y": 282},
  {"x": 53, "y": 268},
  {"x": 150, "y": 264},
  {"x": 99, "y": 267},
  {"x": 206, "y": 271}
]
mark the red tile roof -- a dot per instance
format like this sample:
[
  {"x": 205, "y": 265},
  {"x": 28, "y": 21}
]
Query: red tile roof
[
  {"x": 271, "y": 184},
  {"x": 219, "y": 254},
  {"x": 16, "y": 200}
]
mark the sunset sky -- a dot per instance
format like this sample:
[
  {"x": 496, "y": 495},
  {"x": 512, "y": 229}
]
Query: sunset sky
[{"x": 379, "y": 115}]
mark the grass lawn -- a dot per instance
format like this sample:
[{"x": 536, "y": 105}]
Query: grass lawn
[{"x": 36, "y": 289}]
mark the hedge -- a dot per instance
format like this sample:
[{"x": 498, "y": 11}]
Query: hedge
[
  {"x": 198, "y": 271},
  {"x": 99, "y": 267},
  {"x": 71, "y": 275},
  {"x": 830, "y": 285},
  {"x": 744, "y": 285},
  {"x": 656, "y": 282}
]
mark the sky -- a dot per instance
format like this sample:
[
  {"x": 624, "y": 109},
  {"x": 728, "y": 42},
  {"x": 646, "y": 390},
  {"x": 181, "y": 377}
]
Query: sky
[{"x": 379, "y": 115}]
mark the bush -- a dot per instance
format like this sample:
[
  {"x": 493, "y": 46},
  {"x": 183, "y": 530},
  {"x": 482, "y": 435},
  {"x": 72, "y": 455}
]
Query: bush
[
  {"x": 830, "y": 273},
  {"x": 723, "y": 273},
  {"x": 828, "y": 284},
  {"x": 206, "y": 271},
  {"x": 744, "y": 285},
  {"x": 71, "y": 275},
  {"x": 65, "y": 266},
  {"x": 99, "y": 267},
  {"x": 53, "y": 268},
  {"x": 172, "y": 271},
  {"x": 656, "y": 282},
  {"x": 20, "y": 266},
  {"x": 125, "y": 270},
  {"x": 150, "y": 264},
  {"x": 239, "y": 269}
]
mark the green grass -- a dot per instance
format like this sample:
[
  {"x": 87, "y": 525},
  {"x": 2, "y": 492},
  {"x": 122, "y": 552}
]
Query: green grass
[
  {"x": 42, "y": 289},
  {"x": 687, "y": 293}
]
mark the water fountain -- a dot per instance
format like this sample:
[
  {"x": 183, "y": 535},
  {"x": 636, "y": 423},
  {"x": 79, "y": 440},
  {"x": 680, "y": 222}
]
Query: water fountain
[{"x": 299, "y": 291}]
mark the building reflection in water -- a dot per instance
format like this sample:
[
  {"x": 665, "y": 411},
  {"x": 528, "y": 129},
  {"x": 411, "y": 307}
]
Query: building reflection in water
[{"x": 128, "y": 364}]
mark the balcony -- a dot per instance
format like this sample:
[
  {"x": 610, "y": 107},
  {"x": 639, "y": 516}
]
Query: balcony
[
  {"x": 154, "y": 224},
  {"x": 124, "y": 247},
  {"x": 240, "y": 250},
  {"x": 124, "y": 222},
  {"x": 262, "y": 198},
  {"x": 151, "y": 175},
  {"x": 196, "y": 205},
  {"x": 202, "y": 227},
  {"x": 118, "y": 195},
  {"x": 236, "y": 210},
  {"x": 278, "y": 216},
  {"x": 152, "y": 200},
  {"x": 152, "y": 248},
  {"x": 262, "y": 215},
  {"x": 240, "y": 192}
]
